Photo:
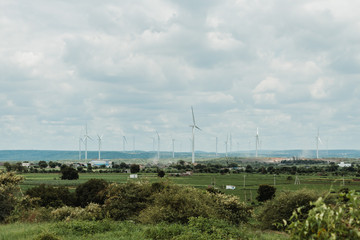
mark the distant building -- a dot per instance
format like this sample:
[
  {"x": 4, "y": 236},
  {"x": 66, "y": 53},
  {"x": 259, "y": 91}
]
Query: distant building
[
  {"x": 25, "y": 164},
  {"x": 97, "y": 163},
  {"x": 342, "y": 164}
]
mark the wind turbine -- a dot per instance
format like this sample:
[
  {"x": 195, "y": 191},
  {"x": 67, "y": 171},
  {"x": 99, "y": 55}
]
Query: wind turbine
[
  {"x": 124, "y": 142},
  {"x": 173, "y": 148},
  {"x": 230, "y": 143},
  {"x": 158, "y": 150},
  {"x": 226, "y": 145},
  {"x": 216, "y": 147},
  {"x": 99, "y": 141},
  {"x": 318, "y": 140},
  {"x": 257, "y": 141},
  {"x": 80, "y": 141},
  {"x": 193, "y": 135},
  {"x": 86, "y": 137}
]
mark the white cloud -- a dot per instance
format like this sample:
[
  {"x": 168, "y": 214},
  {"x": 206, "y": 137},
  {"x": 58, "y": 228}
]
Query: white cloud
[{"x": 131, "y": 67}]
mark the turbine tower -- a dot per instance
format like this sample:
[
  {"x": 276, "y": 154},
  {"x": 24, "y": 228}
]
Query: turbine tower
[
  {"x": 99, "y": 142},
  {"x": 158, "y": 150},
  {"x": 173, "y": 148},
  {"x": 318, "y": 140},
  {"x": 124, "y": 142},
  {"x": 257, "y": 142},
  {"x": 193, "y": 135},
  {"x": 80, "y": 141},
  {"x": 216, "y": 147},
  {"x": 226, "y": 145},
  {"x": 86, "y": 137}
]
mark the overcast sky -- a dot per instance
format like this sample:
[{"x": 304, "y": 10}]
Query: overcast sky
[{"x": 130, "y": 68}]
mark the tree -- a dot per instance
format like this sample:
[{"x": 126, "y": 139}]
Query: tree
[
  {"x": 161, "y": 173},
  {"x": 134, "y": 168},
  {"x": 265, "y": 192},
  {"x": 9, "y": 188},
  {"x": 52, "y": 196},
  {"x": 52, "y": 164},
  {"x": 42, "y": 164},
  {"x": 91, "y": 192},
  {"x": 8, "y": 167},
  {"x": 69, "y": 173}
]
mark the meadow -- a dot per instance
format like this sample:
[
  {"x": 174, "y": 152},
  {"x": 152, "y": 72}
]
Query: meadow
[{"x": 246, "y": 184}]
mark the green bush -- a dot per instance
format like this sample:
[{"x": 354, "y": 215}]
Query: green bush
[
  {"x": 177, "y": 204},
  {"x": 125, "y": 201},
  {"x": 326, "y": 221},
  {"x": 46, "y": 236},
  {"x": 231, "y": 209},
  {"x": 91, "y": 212},
  {"x": 265, "y": 192},
  {"x": 9, "y": 188},
  {"x": 274, "y": 211},
  {"x": 91, "y": 191},
  {"x": 84, "y": 228},
  {"x": 69, "y": 173},
  {"x": 52, "y": 196}
]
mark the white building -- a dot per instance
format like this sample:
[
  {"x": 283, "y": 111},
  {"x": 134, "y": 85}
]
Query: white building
[{"x": 342, "y": 164}]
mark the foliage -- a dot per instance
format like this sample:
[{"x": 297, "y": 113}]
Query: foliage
[
  {"x": 125, "y": 201},
  {"x": 231, "y": 209},
  {"x": 27, "y": 210},
  {"x": 51, "y": 196},
  {"x": 91, "y": 191},
  {"x": 265, "y": 192},
  {"x": 84, "y": 228},
  {"x": 8, "y": 189},
  {"x": 46, "y": 236},
  {"x": 161, "y": 173},
  {"x": 134, "y": 168},
  {"x": 69, "y": 173},
  {"x": 91, "y": 212},
  {"x": 274, "y": 211},
  {"x": 178, "y": 204},
  {"x": 326, "y": 221},
  {"x": 43, "y": 164}
]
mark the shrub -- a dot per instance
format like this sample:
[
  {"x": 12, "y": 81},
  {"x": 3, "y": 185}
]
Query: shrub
[
  {"x": 52, "y": 196},
  {"x": 161, "y": 173},
  {"x": 125, "y": 201},
  {"x": 9, "y": 187},
  {"x": 265, "y": 192},
  {"x": 46, "y": 236},
  {"x": 325, "y": 221},
  {"x": 177, "y": 204},
  {"x": 91, "y": 191},
  {"x": 134, "y": 168},
  {"x": 231, "y": 209},
  {"x": 274, "y": 211},
  {"x": 92, "y": 212},
  {"x": 69, "y": 173}
]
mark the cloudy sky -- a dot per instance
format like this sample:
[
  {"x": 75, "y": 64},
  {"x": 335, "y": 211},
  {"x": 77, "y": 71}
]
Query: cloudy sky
[{"x": 130, "y": 68}]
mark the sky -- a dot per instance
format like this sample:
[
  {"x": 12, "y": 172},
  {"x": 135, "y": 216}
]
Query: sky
[{"x": 130, "y": 68}]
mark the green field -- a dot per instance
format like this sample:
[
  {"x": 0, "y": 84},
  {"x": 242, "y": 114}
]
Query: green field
[{"x": 252, "y": 181}]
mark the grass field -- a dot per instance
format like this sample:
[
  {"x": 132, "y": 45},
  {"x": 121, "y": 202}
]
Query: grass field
[{"x": 252, "y": 181}]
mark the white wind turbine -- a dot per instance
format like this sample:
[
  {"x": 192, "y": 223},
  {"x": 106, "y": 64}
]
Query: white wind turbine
[
  {"x": 99, "y": 142},
  {"x": 226, "y": 145},
  {"x": 193, "y": 135},
  {"x": 80, "y": 141},
  {"x": 86, "y": 137},
  {"x": 257, "y": 141},
  {"x": 318, "y": 140},
  {"x": 216, "y": 146},
  {"x": 173, "y": 148},
  {"x": 124, "y": 143},
  {"x": 158, "y": 150}
]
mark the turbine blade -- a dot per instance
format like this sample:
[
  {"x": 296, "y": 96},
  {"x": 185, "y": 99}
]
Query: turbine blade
[{"x": 192, "y": 111}]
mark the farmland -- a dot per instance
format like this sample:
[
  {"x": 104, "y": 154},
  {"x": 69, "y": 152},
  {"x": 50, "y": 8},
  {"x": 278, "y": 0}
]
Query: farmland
[{"x": 203, "y": 180}]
